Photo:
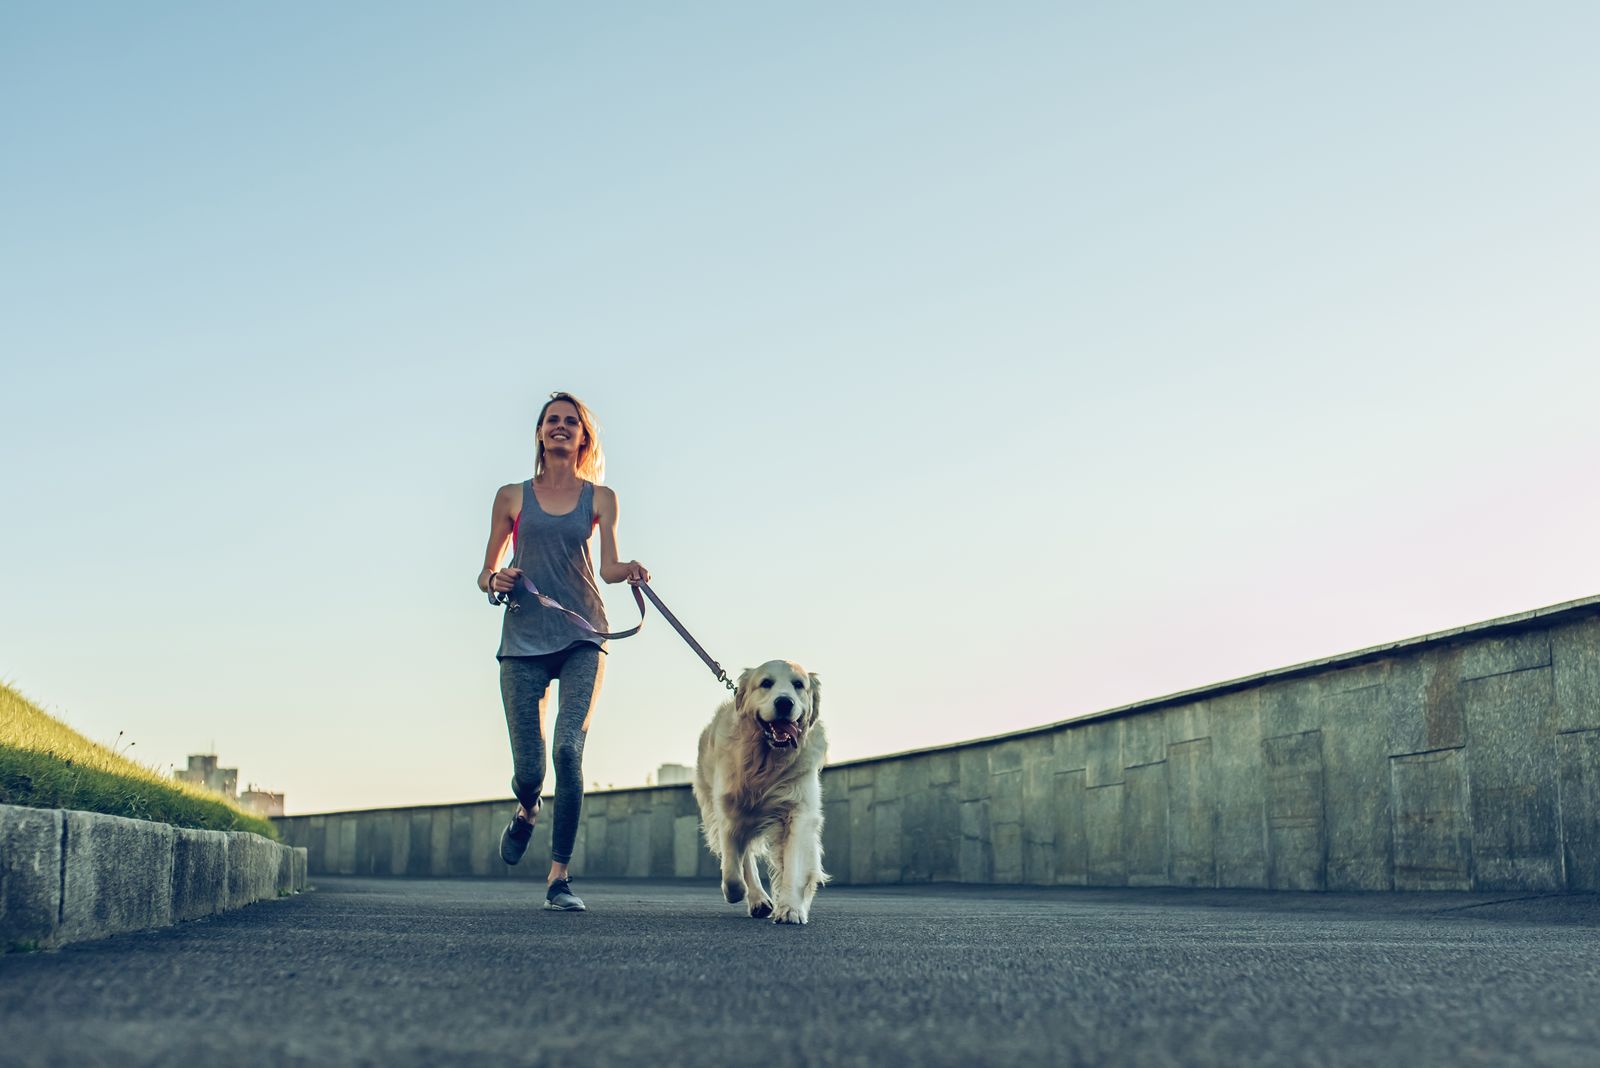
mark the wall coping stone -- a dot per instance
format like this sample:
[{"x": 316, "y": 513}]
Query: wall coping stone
[
  {"x": 1551, "y": 615},
  {"x": 1537, "y": 618}
]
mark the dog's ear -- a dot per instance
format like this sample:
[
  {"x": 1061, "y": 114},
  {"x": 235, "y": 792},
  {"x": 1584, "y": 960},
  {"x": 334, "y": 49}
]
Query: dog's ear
[
  {"x": 816, "y": 698},
  {"x": 742, "y": 688}
]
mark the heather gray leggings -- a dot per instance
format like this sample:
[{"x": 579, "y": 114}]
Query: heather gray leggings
[{"x": 524, "y": 689}]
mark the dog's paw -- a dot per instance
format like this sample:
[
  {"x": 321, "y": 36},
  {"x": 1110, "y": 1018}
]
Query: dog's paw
[
  {"x": 733, "y": 893},
  {"x": 760, "y": 908},
  {"x": 788, "y": 914}
]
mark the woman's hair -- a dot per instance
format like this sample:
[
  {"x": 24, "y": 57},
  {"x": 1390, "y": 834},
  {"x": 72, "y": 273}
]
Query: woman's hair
[{"x": 591, "y": 458}]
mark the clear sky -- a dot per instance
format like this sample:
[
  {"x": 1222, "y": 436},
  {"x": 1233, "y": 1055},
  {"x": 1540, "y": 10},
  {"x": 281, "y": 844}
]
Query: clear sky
[{"x": 999, "y": 362}]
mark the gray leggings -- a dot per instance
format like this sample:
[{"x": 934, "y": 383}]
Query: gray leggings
[{"x": 524, "y": 689}]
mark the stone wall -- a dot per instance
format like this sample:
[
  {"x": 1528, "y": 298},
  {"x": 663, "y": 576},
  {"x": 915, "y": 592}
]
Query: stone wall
[
  {"x": 69, "y": 876},
  {"x": 651, "y": 832},
  {"x": 1466, "y": 760}
]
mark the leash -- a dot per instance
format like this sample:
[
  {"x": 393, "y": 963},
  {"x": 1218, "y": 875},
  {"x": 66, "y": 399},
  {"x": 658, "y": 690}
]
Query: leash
[
  {"x": 641, "y": 590},
  {"x": 550, "y": 602},
  {"x": 716, "y": 668}
]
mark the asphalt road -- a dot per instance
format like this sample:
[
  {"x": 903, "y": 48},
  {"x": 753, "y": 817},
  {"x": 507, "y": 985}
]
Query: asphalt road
[{"x": 401, "y": 972}]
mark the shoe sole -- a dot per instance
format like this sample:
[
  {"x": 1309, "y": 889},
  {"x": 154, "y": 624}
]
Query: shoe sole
[
  {"x": 553, "y": 907},
  {"x": 505, "y": 836},
  {"x": 506, "y": 839}
]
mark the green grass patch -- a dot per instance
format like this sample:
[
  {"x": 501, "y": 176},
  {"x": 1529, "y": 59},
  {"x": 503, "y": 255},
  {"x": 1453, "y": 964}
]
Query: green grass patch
[{"x": 46, "y": 764}]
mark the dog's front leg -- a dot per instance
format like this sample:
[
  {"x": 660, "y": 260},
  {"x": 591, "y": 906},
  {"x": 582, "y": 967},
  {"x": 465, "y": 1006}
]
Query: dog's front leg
[
  {"x": 733, "y": 865},
  {"x": 777, "y": 875},
  {"x": 760, "y": 903},
  {"x": 810, "y": 850},
  {"x": 740, "y": 877},
  {"x": 801, "y": 850}
]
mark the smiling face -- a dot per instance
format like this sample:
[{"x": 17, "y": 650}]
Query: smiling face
[
  {"x": 567, "y": 432},
  {"x": 782, "y": 699},
  {"x": 561, "y": 428}
]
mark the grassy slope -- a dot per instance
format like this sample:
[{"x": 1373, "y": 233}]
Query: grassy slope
[{"x": 46, "y": 764}]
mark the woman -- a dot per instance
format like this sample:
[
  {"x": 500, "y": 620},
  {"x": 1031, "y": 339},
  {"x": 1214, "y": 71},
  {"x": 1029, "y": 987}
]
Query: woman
[{"x": 548, "y": 520}]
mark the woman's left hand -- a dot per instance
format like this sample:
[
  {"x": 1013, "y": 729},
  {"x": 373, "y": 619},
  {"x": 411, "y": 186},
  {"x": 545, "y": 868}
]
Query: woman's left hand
[{"x": 637, "y": 573}]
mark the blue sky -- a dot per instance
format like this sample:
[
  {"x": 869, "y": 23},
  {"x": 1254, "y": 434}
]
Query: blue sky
[{"x": 1001, "y": 363}]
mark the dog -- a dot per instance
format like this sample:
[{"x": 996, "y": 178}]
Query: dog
[{"x": 759, "y": 786}]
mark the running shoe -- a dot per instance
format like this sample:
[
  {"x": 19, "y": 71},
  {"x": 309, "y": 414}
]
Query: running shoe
[
  {"x": 560, "y": 898},
  {"x": 515, "y": 838}
]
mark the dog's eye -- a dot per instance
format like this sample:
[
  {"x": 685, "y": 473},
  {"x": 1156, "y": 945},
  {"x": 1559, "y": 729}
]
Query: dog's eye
[
  {"x": 766, "y": 684},
  {"x": 800, "y": 685}
]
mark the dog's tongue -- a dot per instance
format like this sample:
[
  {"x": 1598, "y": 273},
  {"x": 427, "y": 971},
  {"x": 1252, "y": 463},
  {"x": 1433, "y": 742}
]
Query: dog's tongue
[{"x": 785, "y": 730}]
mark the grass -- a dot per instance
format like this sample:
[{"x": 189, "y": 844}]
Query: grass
[{"x": 46, "y": 764}]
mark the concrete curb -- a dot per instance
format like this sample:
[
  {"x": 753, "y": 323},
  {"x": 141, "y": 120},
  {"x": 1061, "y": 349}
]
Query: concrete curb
[{"x": 68, "y": 876}]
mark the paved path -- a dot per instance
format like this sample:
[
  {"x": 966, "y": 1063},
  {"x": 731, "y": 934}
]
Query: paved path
[{"x": 400, "y": 972}]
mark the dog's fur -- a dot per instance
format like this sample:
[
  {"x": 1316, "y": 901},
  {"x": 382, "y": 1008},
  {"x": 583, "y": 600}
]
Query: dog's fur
[{"x": 759, "y": 799}]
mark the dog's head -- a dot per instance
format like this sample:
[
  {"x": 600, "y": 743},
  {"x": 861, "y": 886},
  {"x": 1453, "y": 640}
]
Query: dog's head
[{"x": 782, "y": 699}]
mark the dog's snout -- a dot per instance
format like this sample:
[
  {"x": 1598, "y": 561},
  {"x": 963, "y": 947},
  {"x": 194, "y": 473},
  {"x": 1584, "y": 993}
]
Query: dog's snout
[{"x": 784, "y": 705}]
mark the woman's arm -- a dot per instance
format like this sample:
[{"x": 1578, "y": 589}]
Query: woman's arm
[
  {"x": 611, "y": 569},
  {"x": 501, "y": 520}
]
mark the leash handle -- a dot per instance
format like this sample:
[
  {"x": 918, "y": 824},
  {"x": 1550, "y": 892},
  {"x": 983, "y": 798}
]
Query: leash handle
[{"x": 551, "y": 602}]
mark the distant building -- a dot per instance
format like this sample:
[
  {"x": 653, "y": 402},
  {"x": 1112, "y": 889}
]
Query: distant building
[
  {"x": 667, "y": 774},
  {"x": 261, "y": 802},
  {"x": 203, "y": 771}
]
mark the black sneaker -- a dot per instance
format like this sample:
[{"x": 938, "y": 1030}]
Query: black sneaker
[
  {"x": 515, "y": 838},
  {"x": 560, "y": 898}
]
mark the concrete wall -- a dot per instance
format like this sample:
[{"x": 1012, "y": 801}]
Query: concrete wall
[
  {"x": 68, "y": 876},
  {"x": 650, "y": 832},
  {"x": 1466, "y": 760}
]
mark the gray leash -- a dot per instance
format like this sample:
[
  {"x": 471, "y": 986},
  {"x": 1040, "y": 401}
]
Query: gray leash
[{"x": 551, "y": 602}]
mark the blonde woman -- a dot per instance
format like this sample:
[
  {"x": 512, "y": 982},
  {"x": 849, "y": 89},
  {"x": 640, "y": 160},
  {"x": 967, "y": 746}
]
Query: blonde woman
[{"x": 548, "y": 521}]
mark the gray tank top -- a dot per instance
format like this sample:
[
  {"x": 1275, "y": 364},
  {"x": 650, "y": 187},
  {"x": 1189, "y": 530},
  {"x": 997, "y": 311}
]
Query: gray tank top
[{"x": 553, "y": 552}]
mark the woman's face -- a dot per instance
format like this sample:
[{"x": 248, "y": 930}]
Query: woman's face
[{"x": 561, "y": 432}]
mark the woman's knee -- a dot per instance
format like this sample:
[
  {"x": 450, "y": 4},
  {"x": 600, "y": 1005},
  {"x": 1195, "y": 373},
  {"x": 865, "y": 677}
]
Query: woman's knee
[
  {"x": 568, "y": 758},
  {"x": 527, "y": 791}
]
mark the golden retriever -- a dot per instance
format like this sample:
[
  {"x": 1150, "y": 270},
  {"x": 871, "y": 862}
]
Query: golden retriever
[{"x": 758, "y": 783}]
